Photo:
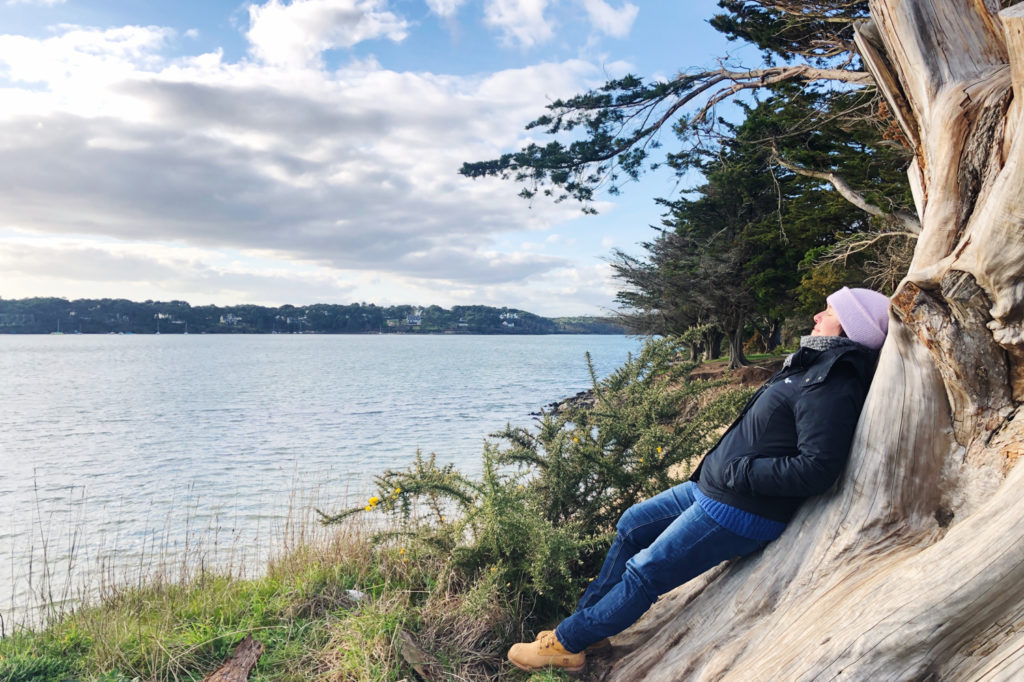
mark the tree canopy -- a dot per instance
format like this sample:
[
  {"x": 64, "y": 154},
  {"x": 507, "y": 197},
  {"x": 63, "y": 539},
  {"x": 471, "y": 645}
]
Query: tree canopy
[{"x": 805, "y": 192}]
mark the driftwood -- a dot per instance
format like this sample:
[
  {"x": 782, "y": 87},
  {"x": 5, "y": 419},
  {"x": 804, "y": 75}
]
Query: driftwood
[
  {"x": 239, "y": 665},
  {"x": 425, "y": 665},
  {"x": 913, "y": 568}
]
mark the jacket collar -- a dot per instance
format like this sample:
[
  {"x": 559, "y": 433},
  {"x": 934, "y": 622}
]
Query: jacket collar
[{"x": 819, "y": 363}]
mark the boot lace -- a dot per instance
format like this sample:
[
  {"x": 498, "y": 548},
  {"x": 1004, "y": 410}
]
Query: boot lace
[{"x": 548, "y": 641}]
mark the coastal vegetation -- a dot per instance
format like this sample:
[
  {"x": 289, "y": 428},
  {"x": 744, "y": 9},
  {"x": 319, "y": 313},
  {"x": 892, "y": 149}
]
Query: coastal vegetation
[
  {"x": 912, "y": 568},
  {"x": 453, "y": 567},
  {"x": 104, "y": 316}
]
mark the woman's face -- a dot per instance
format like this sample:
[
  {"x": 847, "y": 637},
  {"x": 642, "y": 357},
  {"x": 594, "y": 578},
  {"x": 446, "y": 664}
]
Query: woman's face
[{"x": 826, "y": 323}]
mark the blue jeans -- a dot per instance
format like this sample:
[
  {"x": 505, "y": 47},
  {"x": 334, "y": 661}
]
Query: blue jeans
[{"x": 660, "y": 544}]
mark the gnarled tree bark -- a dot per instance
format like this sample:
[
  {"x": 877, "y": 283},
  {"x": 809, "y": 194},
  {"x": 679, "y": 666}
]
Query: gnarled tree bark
[{"x": 913, "y": 568}]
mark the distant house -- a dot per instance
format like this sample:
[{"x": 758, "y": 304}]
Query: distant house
[
  {"x": 230, "y": 319},
  {"x": 462, "y": 322},
  {"x": 415, "y": 318}
]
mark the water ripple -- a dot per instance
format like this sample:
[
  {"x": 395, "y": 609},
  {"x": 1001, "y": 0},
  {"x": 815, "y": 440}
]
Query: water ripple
[{"x": 120, "y": 444}]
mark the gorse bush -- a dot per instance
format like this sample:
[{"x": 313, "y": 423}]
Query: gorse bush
[
  {"x": 523, "y": 539},
  {"x": 640, "y": 437}
]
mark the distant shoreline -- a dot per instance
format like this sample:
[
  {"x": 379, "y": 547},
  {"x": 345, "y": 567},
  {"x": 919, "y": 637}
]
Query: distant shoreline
[
  {"x": 121, "y": 316},
  {"x": 383, "y": 333}
]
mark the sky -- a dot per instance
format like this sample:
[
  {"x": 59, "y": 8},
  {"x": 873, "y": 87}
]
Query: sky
[{"x": 307, "y": 151}]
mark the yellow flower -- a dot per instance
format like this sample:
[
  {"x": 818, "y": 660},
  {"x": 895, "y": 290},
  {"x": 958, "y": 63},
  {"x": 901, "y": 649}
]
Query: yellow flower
[
  {"x": 659, "y": 449},
  {"x": 405, "y": 561},
  {"x": 402, "y": 551},
  {"x": 442, "y": 518},
  {"x": 368, "y": 507},
  {"x": 575, "y": 440},
  {"x": 493, "y": 569},
  {"x": 374, "y": 500},
  {"x": 398, "y": 490}
]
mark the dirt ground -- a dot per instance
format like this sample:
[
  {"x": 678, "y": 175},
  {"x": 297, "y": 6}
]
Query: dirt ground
[{"x": 752, "y": 376}]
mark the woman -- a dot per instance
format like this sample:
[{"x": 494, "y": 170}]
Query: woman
[{"x": 789, "y": 443}]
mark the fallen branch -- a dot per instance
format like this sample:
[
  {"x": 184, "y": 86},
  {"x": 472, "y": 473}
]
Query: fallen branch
[
  {"x": 239, "y": 665},
  {"x": 425, "y": 665}
]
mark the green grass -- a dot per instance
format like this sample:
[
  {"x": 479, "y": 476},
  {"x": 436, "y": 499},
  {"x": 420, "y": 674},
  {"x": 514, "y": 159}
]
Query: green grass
[
  {"x": 780, "y": 352},
  {"x": 300, "y": 611}
]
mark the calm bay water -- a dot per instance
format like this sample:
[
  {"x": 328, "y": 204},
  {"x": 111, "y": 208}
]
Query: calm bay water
[{"x": 113, "y": 448}]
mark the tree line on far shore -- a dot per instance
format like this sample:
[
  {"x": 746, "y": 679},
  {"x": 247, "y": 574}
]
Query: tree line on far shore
[{"x": 105, "y": 316}]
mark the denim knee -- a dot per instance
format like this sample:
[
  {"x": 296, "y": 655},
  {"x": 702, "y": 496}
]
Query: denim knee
[
  {"x": 628, "y": 522},
  {"x": 644, "y": 515},
  {"x": 641, "y": 584}
]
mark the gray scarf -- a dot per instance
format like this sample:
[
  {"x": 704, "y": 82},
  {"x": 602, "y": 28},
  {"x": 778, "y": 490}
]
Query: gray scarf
[{"x": 821, "y": 343}]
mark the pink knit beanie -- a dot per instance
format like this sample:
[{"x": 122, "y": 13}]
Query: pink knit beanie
[{"x": 863, "y": 313}]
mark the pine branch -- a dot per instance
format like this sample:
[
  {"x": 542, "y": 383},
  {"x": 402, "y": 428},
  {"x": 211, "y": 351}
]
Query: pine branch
[{"x": 641, "y": 105}]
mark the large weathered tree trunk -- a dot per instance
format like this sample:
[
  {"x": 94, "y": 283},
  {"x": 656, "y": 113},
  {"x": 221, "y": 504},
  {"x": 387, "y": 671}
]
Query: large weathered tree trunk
[{"x": 914, "y": 567}]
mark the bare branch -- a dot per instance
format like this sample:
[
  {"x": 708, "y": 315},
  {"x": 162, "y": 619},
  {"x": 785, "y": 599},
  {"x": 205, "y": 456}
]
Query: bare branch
[
  {"x": 910, "y": 223},
  {"x": 805, "y": 72},
  {"x": 858, "y": 243},
  {"x": 799, "y": 10}
]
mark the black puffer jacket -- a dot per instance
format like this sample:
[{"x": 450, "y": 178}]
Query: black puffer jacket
[{"x": 793, "y": 437}]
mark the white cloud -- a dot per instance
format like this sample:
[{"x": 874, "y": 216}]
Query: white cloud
[
  {"x": 298, "y": 33},
  {"x": 613, "y": 22},
  {"x": 582, "y": 288},
  {"x": 82, "y": 268},
  {"x": 352, "y": 171},
  {"x": 445, "y": 8},
  {"x": 560, "y": 240},
  {"x": 44, "y": 3},
  {"x": 77, "y": 267},
  {"x": 521, "y": 21},
  {"x": 105, "y": 55}
]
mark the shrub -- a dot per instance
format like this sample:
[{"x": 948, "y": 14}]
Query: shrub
[{"x": 516, "y": 547}]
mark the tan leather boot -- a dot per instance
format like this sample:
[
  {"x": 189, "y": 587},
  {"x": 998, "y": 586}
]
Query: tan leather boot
[
  {"x": 545, "y": 652},
  {"x": 596, "y": 646}
]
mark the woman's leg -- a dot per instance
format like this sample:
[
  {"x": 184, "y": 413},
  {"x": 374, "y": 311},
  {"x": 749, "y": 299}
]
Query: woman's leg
[
  {"x": 639, "y": 526},
  {"x": 690, "y": 545}
]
